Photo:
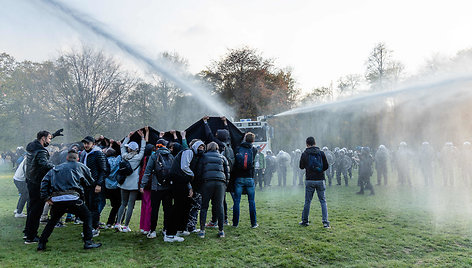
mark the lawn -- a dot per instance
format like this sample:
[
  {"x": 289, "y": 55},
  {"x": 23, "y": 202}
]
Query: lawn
[{"x": 398, "y": 227}]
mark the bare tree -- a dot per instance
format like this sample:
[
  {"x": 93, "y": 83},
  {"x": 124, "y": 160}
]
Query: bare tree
[
  {"x": 87, "y": 87},
  {"x": 381, "y": 68},
  {"x": 349, "y": 84}
]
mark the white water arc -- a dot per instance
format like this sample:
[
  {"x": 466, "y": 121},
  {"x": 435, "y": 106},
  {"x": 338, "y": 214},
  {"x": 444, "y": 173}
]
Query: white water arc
[
  {"x": 80, "y": 20},
  {"x": 426, "y": 93}
]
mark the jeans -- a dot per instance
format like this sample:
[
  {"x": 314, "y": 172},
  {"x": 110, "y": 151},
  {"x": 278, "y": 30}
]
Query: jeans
[
  {"x": 248, "y": 184},
  {"x": 24, "y": 195},
  {"x": 310, "y": 188}
]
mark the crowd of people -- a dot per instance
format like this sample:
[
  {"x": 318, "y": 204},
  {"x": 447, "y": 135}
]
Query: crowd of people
[{"x": 184, "y": 177}]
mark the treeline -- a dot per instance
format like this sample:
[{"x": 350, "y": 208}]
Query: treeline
[{"x": 88, "y": 92}]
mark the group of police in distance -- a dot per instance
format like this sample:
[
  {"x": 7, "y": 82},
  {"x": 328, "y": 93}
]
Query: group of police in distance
[{"x": 185, "y": 178}]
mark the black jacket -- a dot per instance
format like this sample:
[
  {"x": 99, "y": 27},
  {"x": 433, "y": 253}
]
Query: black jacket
[
  {"x": 213, "y": 166},
  {"x": 150, "y": 174},
  {"x": 97, "y": 163},
  {"x": 66, "y": 178},
  {"x": 311, "y": 174},
  {"x": 37, "y": 162},
  {"x": 249, "y": 173}
]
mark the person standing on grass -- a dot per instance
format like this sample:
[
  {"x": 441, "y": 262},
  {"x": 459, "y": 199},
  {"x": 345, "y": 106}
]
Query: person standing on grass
[
  {"x": 112, "y": 191},
  {"x": 214, "y": 170},
  {"x": 314, "y": 161},
  {"x": 20, "y": 183},
  {"x": 129, "y": 189},
  {"x": 156, "y": 178},
  {"x": 244, "y": 170},
  {"x": 36, "y": 166},
  {"x": 93, "y": 157},
  {"x": 62, "y": 188}
]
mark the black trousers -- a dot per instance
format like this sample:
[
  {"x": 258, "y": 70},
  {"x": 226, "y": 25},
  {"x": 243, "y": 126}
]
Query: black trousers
[
  {"x": 77, "y": 208},
  {"x": 92, "y": 201},
  {"x": 214, "y": 191},
  {"x": 258, "y": 177},
  {"x": 214, "y": 212},
  {"x": 35, "y": 209},
  {"x": 164, "y": 196},
  {"x": 114, "y": 195},
  {"x": 180, "y": 208}
]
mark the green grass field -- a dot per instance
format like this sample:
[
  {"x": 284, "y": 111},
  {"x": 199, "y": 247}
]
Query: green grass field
[{"x": 398, "y": 227}]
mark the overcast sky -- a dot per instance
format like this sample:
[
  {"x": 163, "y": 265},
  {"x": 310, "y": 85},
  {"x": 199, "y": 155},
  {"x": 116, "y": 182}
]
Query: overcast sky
[{"x": 319, "y": 40}]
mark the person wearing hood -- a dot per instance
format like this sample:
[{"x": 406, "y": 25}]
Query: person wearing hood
[
  {"x": 131, "y": 152},
  {"x": 62, "y": 188},
  {"x": 156, "y": 179},
  {"x": 36, "y": 166},
  {"x": 195, "y": 202},
  {"x": 93, "y": 157},
  {"x": 182, "y": 174},
  {"x": 244, "y": 172},
  {"x": 314, "y": 161}
]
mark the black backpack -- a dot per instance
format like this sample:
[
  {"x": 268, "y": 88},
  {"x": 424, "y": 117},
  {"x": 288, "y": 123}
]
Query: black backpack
[
  {"x": 163, "y": 167},
  {"x": 315, "y": 162},
  {"x": 124, "y": 170}
]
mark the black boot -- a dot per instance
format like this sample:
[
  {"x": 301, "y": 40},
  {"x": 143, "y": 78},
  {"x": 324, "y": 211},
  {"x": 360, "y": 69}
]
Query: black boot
[
  {"x": 41, "y": 246},
  {"x": 89, "y": 244}
]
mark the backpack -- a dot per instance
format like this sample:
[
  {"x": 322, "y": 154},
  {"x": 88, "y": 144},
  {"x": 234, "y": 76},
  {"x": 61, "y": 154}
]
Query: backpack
[
  {"x": 124, "y": 170},
  {"x": 229, "y": 154},
  {"x": 315, "y": 162},
  {"x": 245, "y": 158},
  {"x": 163, "y": 167}
]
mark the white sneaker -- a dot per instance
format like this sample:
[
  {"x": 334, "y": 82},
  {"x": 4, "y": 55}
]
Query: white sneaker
[
  {"x": 21, "y": 215},
  {"x": 117, "y": 227},
  {"x": 15, "y": 211},
  {"x": 195, "y": 231},
  {"x": 125, "y": 229},
  {"x": 151, "y": 235},
  {"x": 183, "y": 233},
  {"x": 173, "y": 238}
]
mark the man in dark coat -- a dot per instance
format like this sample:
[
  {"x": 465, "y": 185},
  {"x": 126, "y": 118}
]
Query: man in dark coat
[
  {"x": 315, "y": 163},
  {"x": 37, "y": 165},
  {"x": 93, "y": 157}
]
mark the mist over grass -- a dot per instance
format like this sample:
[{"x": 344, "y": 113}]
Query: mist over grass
[{"x": 392, "y": 228}]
